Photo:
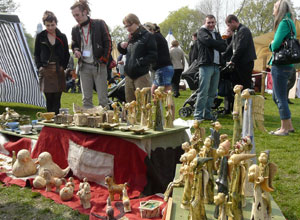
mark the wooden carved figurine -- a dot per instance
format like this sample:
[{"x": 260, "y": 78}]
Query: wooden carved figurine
[
  {"x": 109, "y": 210},
  {"x": 158, "y": 119},
  {"x": 258, "y": 206},
  {"x": 197, "y": 209},
  {"x": 145, "y": 99},
  {"x": 14, "y": 158},
  {"x": 198, "y": 136},
  {"x": 66, "y": 193},
  {"x": 52, "y": 181},
  {"x": 23, "y": 165},
  {"x": 124, "y": 112},
  {"x": 208, "y": 151},
  {"x": 215, "y": 133},
  {"x": 115, "y": 107},
  {"x": 187, "y": 174},
  {"x": 131, "y": 113},
  {"x": 267, "y": 170},
  {"x": 126, "y": 200},
  {"x": 223, "y": 206},
  {"x": 114, "y": 188},
  {"x": 149, "y": 115},
  {"x": 138, "y": 99},
  {"x": 84, "y": 194},
  {"x": 238, "y": 105},
  {"x": 237, "y": 175},
  {"x": 170, "y": 110}
]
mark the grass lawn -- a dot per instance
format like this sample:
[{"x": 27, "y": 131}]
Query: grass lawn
[{"x": 18, "y": 203}]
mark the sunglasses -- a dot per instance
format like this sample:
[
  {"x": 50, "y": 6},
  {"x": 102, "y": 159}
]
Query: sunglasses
[{"x": 128, "y": 25}]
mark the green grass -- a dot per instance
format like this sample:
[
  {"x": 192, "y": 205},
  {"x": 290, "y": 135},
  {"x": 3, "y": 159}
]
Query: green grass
[{"x": 285, "y": 152}]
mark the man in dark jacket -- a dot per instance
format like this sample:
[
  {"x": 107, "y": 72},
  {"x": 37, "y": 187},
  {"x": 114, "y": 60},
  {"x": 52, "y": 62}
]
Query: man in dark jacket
[
  {"x": 210, "y": 44},
  {"x": 141, "y": 51},
  {"x": 243, "y": 49},
  {"x": 91, "y": 44}
]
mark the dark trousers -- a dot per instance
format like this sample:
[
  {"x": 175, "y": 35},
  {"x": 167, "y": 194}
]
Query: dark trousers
[
  {"x": 53, "y": 101},
  {"x": 243, "y": 75},
  {"x": 176, "y": 80}
]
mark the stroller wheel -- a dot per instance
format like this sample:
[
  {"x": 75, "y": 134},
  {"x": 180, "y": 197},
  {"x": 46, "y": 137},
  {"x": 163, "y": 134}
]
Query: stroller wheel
[{"x": 184, "y": 112}]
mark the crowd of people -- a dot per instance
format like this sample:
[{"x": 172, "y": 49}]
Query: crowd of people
[{"x": 146, "y": 50}]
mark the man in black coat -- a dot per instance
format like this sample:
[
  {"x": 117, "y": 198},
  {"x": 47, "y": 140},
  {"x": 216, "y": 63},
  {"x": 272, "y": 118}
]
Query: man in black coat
[{"x": 243, "y": 49}]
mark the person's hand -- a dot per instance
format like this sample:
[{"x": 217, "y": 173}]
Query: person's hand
[
  {"x": 77, "y": 54},
  {"x": 124, "y": 45},
  {"x": 121, "y": 62},
  {"x": 3, "y": 76}
]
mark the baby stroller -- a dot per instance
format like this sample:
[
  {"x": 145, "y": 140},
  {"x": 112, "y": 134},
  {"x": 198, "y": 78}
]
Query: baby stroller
[
  {"x": 191, "y": 75},
  {"x": 116, "y": 90}
]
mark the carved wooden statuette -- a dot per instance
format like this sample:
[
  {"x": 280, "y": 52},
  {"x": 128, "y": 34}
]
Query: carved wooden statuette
[
  {"x": 238, "y": 104},
  {"x": 207, "y": 151},
  {"x": 158, "y": 119},
  {"x": 187, "y": 174},
  {"x": 126, "y": 200},
  {"x": 267, "y": 170},
  {"x": 258, "y": 206},
  {"x": 124, "y": 113},
  {"x": 131, "y": 113},
  {"x": 237, "y": 175},
  {"x": 170, "y": 110},
  {"x": 223, "y": 206},
  {"x": 109, "y": 210},
  {"x": 138, "y": 99},
  {"x": 215, "y": 133},
  {"x": 149, "y": 115},
  {"x": 84, "y": 194},
  {"x": 145, "y": 99},
  {"x": 197, "y": 209},
  {"x": 23, "y": 165},
  {"x": 116, "y": 109},
  {"x": 114, "y": 188}
]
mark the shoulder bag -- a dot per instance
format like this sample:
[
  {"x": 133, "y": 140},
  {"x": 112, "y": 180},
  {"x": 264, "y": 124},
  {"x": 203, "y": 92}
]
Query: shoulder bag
[{"x": 288, "y": 52}]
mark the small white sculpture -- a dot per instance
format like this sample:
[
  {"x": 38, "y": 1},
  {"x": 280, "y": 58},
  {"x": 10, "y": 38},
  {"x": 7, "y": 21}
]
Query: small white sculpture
[
  {"x": 84, "y": 194},
  {"x": 23, "y": 166}
]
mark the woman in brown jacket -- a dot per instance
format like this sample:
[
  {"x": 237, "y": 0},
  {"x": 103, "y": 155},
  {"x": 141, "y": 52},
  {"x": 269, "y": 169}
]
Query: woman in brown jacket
[{"x": 51, "y": 54}]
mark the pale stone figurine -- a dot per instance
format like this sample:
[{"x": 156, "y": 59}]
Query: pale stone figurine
[
  {"x": 170, "y": 110},
  {"x": 66, "y": 193},
  {"x": 84, "y": 194},
  {"x": 109, "y": 210},
  {"x": 52, "y": 181},
  {"x": 126, "y": 200},
  {"x": 45, "y": 161},
  {"x": 23, "y": 165}
]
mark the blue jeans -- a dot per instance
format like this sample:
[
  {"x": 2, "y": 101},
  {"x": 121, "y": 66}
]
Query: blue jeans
[
  {"x": 208, "y": 85},
  {"x": 280, "y": 76},
  {"x": 163, "y": 76}
]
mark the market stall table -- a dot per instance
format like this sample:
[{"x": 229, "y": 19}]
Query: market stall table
[{"x": 147, "y": 161}]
